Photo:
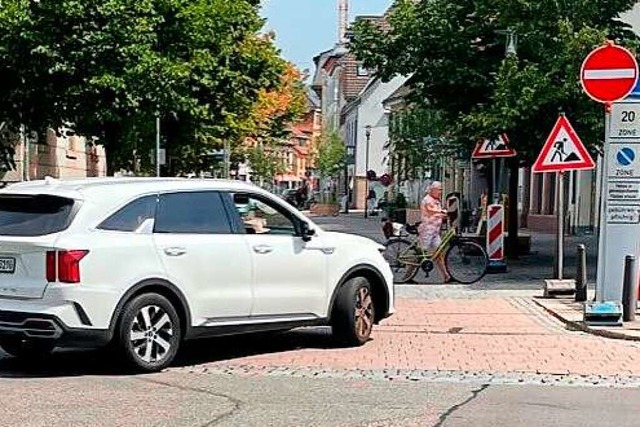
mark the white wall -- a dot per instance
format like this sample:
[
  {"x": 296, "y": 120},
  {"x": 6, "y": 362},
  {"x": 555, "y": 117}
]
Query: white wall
[
  {"x": 371, "y": 112},
  {"x": 633, "y": 18}
]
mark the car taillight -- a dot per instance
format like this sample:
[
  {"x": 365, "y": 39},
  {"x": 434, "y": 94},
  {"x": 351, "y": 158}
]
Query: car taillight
[{"x": 68, "y": 268}]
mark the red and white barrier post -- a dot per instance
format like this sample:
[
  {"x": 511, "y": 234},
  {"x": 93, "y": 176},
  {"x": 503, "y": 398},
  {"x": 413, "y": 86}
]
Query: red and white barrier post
[{"x": 495, "y": 239}]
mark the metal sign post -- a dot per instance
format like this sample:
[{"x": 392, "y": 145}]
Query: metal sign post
[
  {"x": 494, "y": 181},
  {"x": 563, "y": 151},
  {"x": 602, "y": 223},
  {"x": 560, "y": 214}
]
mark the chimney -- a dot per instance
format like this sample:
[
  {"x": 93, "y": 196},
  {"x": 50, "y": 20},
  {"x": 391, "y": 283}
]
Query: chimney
[{"x": 343, "y": 20}]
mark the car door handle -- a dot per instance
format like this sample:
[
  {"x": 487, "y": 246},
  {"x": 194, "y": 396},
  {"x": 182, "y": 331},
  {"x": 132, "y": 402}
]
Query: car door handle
[
  {"x": 262, "y": 249},
  {"x": 175, "y": 251},
  {"x": 327, "y": 250}
]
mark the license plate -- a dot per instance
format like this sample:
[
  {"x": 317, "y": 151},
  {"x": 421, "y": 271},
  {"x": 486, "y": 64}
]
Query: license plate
[{"x": 7, "y": 265}]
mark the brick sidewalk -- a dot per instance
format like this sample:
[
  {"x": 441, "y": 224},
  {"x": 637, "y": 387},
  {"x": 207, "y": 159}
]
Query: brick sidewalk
[{"x": 489, "y": 335}]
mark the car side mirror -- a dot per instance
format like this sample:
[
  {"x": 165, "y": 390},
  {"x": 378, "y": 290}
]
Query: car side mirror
[{"x": 305, "y": 232}]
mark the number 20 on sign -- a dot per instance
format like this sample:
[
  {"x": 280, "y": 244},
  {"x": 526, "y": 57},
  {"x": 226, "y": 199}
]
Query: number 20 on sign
[{"x": 625, "y": 120}]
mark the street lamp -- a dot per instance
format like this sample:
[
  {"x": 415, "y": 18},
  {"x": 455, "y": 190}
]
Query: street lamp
[
  {"x": 157, "y": 143},
  {"x": 367, "y": 133}
]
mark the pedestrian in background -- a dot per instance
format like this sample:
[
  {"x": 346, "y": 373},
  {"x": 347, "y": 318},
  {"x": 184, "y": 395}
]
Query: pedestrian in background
[
  {"x": 432, "y": 215},
  {"x": 371, "y": 202}
]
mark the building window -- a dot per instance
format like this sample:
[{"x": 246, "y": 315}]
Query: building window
[{"x": 362, "y": 71}]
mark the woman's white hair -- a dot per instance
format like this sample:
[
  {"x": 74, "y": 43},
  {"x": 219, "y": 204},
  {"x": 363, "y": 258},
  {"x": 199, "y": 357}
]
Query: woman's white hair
[{"x": 434, "y": 185}]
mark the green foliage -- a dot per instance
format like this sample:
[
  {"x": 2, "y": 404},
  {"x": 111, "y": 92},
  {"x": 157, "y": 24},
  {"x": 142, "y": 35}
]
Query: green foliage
[
  {"x": 274, "y": 112},
  {"x": 266, "y": 161},
  {"x": 418, "y": 140},
  {"x": 109, "y": 65},
  {"x": 332, "y": 153},
  {"x": 459, "y": 66}
]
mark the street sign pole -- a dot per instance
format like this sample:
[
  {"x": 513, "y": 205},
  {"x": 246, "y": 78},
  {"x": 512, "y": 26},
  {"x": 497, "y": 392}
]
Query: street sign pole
[
  {"x": 560, "y": 218},
  {"x": 494, "y": 189},
  {"x": 602, "y": 220}
]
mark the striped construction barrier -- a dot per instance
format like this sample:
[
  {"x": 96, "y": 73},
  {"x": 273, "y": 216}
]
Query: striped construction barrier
[{"x": 495, "y": 238}]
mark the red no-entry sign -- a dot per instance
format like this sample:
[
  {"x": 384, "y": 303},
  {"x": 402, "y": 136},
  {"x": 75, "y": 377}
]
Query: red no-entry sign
[{"x": 609, "y": 73}]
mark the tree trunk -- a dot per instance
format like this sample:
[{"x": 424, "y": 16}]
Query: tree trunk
[
  {"x": 110, "y": 143},
  {"x": 512, "y": 238}
]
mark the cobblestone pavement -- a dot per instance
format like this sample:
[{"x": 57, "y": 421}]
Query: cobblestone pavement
[
  {"x": 503, "y": 340},
  {"x": 528, "y": 272}
]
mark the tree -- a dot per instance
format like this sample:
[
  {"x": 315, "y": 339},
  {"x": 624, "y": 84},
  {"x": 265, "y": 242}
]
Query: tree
[
  {"x": 266, "y": 162},
  {"x": 418, "y": 141},
  {"x": 109, "y": 66},
  {"x": 455, "y": 50},
  {"x": 278, "y": 107},
  {"x": 331, "y": 157},
  {"x": 270, "y": 124}
]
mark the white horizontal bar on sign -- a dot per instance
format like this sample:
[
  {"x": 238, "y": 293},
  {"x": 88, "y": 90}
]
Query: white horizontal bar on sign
[{"x": 612, "y": 73}]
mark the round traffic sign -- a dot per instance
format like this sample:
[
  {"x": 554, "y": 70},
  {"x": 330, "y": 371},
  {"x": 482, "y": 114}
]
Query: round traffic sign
[
  {"x": 625, "y": 156},
  {"x": 609, "y": 73}
]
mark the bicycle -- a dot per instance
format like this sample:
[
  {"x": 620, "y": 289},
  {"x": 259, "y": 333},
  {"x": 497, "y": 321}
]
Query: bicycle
[{"x": 465, "y": 260}]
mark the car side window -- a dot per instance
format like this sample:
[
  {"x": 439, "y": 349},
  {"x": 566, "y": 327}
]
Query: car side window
[
  {"x": 261, "y": 216},
  {"x": 192, "y": 213},
  {"x": 132, "y": 216}
]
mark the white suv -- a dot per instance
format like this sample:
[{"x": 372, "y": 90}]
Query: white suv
[{"x": 144, "y": 264}]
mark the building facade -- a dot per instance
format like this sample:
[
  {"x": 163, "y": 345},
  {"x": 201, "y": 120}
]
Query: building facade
[{"x": 61, "y": 155}]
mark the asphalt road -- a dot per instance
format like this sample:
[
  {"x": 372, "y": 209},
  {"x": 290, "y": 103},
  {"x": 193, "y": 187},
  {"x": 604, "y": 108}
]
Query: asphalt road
[{"x": 82, "y": 389}]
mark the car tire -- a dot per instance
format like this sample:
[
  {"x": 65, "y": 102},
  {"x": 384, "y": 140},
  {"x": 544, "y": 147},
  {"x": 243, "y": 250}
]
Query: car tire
[
  {"x": 26, "y": 349},
  {"x": 353, "y": 313},
  {"x": 149, "y": 333}
]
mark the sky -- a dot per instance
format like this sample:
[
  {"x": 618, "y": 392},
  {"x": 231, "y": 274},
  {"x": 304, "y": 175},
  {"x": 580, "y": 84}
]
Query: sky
[{"x": 305, "y": 28}]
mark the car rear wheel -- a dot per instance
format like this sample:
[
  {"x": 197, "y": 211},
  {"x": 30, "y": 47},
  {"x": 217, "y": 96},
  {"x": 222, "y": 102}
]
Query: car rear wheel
[
  {"x": 149, "y": 333},
  {"x": 353, "y": 313}
]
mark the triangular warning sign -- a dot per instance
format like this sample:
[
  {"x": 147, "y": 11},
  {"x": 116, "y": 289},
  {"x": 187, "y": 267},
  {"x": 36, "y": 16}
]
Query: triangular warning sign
[
  {"x": 490, "y": 149},
  {"x": 563, "y": 150}
]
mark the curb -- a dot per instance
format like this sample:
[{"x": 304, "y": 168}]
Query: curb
[{"x": 581, "y": 326}]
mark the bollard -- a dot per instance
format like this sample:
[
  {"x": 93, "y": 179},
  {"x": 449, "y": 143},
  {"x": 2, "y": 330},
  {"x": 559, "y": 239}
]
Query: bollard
[
  {"x": 629, "y": 290},
  {"x": 581, "y": 275}
]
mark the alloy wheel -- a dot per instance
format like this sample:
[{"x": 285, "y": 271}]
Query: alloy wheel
[
  {"x": 151, "y": 334},
  {"x": 364, "y": 313}
]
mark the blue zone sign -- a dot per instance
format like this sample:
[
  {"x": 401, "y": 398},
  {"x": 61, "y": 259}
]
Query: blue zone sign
[{"x": 635, "y": 93}]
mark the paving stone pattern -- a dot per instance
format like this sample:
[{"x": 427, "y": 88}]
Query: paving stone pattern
[{"x": 503, "y": 340}]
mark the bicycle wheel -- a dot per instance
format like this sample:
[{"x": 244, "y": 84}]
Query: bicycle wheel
[
  {"x": 403, "y": 260},
  {"x": 466, "y": 262}
]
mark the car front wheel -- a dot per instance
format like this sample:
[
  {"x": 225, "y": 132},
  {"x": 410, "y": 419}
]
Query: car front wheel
[
  {"x": 353, "y": 313},
  {"x": 149, "y": 333}
]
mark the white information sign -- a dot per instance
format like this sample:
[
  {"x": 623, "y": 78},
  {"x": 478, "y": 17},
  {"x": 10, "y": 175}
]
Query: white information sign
[
  {"x": 624, "y": 192},
  {"x": 623, "y": 215},
  {"x": 625, "y": 120},
  {"x": 620, "y": 223},
  {"x": 623, "y": 160}
]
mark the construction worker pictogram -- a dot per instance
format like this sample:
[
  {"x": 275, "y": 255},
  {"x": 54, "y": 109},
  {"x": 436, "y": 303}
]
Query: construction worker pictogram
[{"x": 563, "y": 150}]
